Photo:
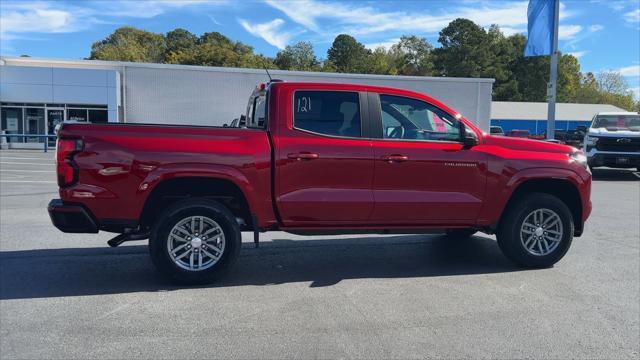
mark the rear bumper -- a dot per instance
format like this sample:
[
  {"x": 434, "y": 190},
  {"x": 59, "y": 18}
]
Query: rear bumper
[{"x": 71, "y": 218}]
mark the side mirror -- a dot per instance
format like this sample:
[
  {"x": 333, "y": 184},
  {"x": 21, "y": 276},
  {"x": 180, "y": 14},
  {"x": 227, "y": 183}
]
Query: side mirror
[{"x": 469, "y": 137}]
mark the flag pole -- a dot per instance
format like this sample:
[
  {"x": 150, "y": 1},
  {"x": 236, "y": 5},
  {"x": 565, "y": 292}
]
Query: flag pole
[{"x": 553, "y": 79}]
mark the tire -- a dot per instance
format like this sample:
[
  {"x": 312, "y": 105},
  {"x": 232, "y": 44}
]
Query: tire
[
  {"x": 460, "y": 234},
  {"x": 512, "y": 234},
  {"x": 221, "y": 241}
]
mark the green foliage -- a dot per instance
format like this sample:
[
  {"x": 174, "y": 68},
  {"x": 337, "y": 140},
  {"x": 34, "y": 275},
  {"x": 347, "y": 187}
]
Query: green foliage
[
  {"x": 466, "y": 50},
  {"x": 178, "y": 46},
  {"x": 412, "y": 56},
  {"x": 299, "y": 56},
  {"x": 348, "y": 55},
  {"x": 130, "y": 44}
]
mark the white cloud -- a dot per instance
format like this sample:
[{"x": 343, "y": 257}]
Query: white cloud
[
  {"x": 633, "y": 70},
  {"x": 636, "y": 92},
  {"x": 633, "y": 16},
  {"x": 270, "y": 32},
  {"x": 577, "y": 54},
  {"x": 365, "y": 20},
  {"x": 18, "y": 18},
  {"x": 596, "y": 27},
  {"x": 568, "y": 32},
  {"x": 148, "y": 8},
  {"x": 37, "y": 17}
]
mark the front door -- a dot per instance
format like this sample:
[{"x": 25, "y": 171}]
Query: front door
[
  {"x": 54, "y": 117},
  {"x": 423, "y": 173},
  {"x": 324, "y": 165}
]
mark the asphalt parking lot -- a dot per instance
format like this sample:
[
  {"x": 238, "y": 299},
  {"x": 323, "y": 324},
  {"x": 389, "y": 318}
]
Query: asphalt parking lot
[{"x": 415, "y": 296}]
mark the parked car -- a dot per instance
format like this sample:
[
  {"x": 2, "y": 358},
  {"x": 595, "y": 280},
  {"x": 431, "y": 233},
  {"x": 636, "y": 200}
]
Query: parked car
[
  {"x": 519, "y": 133},
  {"x": 318, "y": 158},
  {"x": 613, "y": 140},
  {"x": 574, "y": 138},
  {"x": 496, "y": 130}
]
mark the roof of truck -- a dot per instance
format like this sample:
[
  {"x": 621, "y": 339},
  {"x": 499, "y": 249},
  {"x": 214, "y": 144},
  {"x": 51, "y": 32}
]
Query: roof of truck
[{"x": 617, "y": 113}]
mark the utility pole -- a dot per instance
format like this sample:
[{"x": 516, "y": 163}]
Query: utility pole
[{"x": 553, "y": 79}]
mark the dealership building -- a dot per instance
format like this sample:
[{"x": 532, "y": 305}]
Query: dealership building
[
  {"x": 37, "y": 94},
  {"x": 532, "y": 116}
]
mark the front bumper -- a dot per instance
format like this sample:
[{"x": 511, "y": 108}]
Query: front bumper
[
  {"x": 71, "y": 218},
  {"x": 613, "y": 159}
]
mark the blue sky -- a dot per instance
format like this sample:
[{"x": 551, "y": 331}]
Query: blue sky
[{"x": 603, "y": 34}]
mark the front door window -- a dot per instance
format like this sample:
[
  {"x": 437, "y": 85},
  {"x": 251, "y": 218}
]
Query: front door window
[{"x": 410, "y": 119}]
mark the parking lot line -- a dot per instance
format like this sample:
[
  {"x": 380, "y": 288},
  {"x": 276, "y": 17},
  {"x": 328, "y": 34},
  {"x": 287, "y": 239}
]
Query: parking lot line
[
  {"x": 20, "y": 158},
  {"x": 22, "y": 163},
  {"x": 14, "y": 170},
  {"x": 28, "y": 181}
]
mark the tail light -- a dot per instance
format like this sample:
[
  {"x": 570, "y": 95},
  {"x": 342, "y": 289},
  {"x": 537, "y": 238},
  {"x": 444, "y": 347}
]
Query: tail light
[{"x": 66, "y": 168}]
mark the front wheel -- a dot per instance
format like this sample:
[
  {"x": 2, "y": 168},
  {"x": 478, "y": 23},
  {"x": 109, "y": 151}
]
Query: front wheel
[
  {"x": 536, "y": 231},
  {"x": 195, "y": 241}
]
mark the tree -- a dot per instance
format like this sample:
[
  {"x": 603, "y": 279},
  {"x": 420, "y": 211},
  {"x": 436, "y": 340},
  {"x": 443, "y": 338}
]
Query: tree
[
  {"x": 412, "y": 56},
  {"x": 348, "y": 55},
  {"x": 532, "y": 75},
  {"x": 470, "y": 51},
  {"x": 464, "y": 50},
  {"x": 299, "y": 56},
  {"x": 614, "y": 90},
  {"x": 612, "y": 82},
  {"x": 180, "y": 47},
  {"x": 381, "y": 62},
  {"x": 588, "y": 91},
  {"x": 130, "y": 44}
]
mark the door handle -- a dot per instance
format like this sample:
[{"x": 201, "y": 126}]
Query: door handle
[
  {"x": 395, "y": 158},
  {"x": 303, "y": 156}
]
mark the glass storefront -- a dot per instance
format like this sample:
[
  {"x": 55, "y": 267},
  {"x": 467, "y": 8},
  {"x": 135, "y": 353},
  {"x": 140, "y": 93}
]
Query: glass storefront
[{"x": 41, "y": 119}]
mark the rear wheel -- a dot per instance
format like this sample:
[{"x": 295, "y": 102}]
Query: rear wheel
[
  {"x": 536, "y": 231},
  {"x": 195, "y": 241}
]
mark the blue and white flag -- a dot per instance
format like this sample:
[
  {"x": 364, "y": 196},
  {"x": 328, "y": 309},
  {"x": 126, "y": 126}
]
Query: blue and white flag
[{"x": 540, "y": 15}]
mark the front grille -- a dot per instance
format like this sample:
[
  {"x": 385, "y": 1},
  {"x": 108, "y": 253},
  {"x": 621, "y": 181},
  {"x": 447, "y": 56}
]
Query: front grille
[{"x": 620, "y": 144}]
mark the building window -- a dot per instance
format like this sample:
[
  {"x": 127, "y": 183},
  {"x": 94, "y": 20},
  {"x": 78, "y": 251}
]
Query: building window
[
  {"x": 34, "y": 124},
  {"x": 42, "y": 119},
  {"x": 12, "y": 122},
  {"x": 79, "y": 115},
  {"x": 98, "y": 116}
]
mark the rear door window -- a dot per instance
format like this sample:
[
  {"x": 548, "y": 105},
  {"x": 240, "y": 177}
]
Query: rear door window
[{"x": 334, "y": 113}]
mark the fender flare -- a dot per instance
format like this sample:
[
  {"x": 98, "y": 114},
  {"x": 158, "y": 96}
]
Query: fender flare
[
  {"x": 212, "y": 171},
  {"x": 497, "y": 205}
]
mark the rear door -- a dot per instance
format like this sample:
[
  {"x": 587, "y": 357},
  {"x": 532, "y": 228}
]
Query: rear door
[
  {"x": 324, "y": 159},
  {"x": 423, "y": 173}
]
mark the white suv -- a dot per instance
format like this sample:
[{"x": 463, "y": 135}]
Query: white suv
[{"x": 613, "y": 140}]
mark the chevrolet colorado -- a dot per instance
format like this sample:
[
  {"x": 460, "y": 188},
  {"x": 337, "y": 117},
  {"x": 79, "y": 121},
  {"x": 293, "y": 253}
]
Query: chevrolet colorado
[{"x": 315, "y": 158}]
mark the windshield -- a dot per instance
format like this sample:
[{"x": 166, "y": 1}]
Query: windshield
[{"x": 617, "y": 122}]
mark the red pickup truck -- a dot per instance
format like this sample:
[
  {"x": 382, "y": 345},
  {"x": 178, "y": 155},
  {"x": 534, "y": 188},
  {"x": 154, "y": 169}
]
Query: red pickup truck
[{"x": 317, "y": 158}]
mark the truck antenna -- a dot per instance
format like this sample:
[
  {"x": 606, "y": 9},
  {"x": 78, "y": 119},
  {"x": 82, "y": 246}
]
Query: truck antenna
[{"x": 267, "y": 70}]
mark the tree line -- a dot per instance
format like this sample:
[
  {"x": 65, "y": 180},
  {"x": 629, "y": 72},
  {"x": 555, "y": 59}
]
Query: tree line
[{"x": 466, "y": 50}]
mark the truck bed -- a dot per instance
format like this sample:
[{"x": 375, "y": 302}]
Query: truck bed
[{"x": 133, "y": 158}]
